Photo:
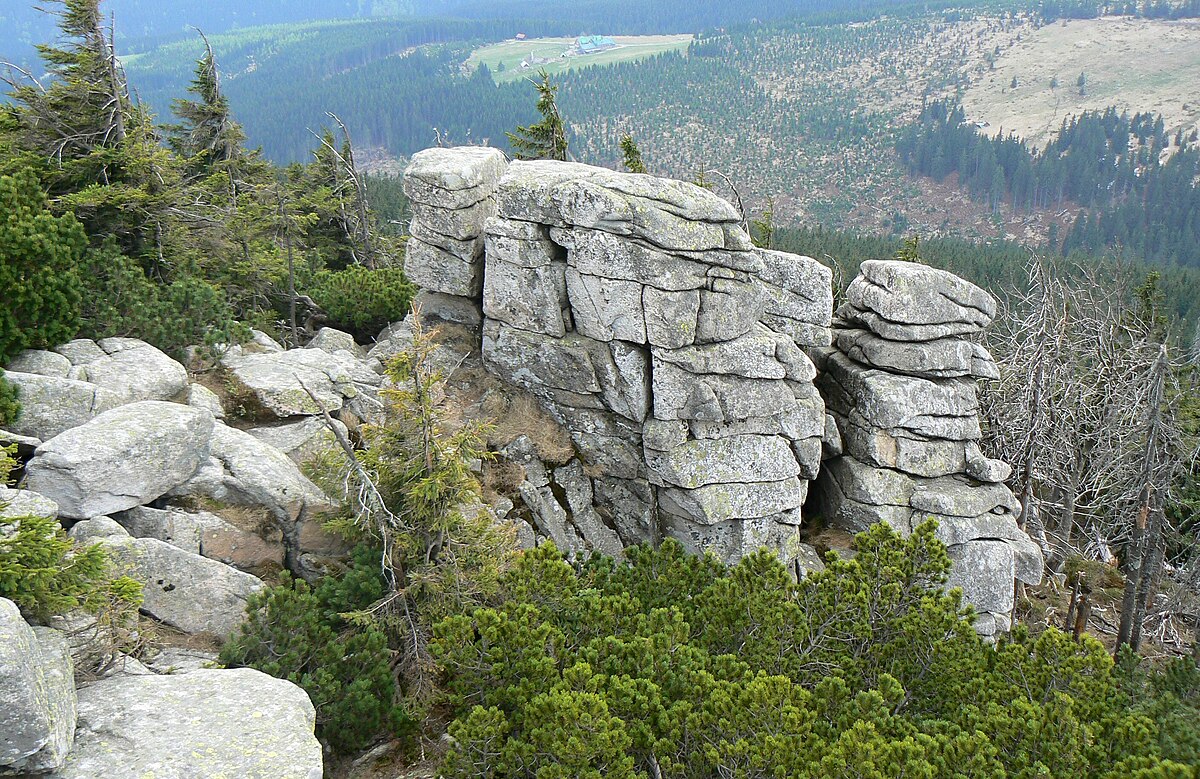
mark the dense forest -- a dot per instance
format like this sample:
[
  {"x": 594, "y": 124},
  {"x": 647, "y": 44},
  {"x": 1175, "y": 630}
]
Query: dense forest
[{"x": 1137, "y": 182}]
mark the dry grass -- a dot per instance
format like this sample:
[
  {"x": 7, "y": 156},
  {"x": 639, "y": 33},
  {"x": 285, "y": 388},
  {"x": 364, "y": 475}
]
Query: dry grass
[{"x": 1134, "y": 64}]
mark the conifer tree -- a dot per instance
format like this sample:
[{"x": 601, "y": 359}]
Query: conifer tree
[
  {"x": 95, "y": 150},
  {"x": 206, "y": 136},
  {"x": 632, "y": 155},
  {"x": 547, "y": 139}
]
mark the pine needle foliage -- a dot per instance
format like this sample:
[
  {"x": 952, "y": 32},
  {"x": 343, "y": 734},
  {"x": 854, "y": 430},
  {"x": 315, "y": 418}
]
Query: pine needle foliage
[
  {"x": 675, "y": 667},
  {"x": 410, "y": 492},
  {"x": 631, "y": 155},
  {"x": 547, "y": 139}
]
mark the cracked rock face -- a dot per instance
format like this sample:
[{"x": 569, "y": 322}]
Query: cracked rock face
[
  {"x": 900, "y": 384},
  {"x": 123, "y": 458},
  {"x": 635, "y": 309},
  {"x": 692, "y": 371}
]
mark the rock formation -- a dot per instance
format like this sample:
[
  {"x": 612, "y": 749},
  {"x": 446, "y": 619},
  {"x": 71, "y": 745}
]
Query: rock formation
[
  {"x": 678, "y": 357},
  {"x": 640, "y": 314},
  {"x": 900, "y": 383}
]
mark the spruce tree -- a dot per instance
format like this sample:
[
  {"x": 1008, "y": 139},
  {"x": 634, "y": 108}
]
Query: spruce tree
[
  {"x": 547, "y": 139},
  {"x": 206, "y": 136},
  {"x": 632, "y": 155}
]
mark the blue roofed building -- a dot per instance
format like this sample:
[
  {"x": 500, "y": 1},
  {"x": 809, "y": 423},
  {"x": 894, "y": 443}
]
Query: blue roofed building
[{"x": 590, "y": 44}]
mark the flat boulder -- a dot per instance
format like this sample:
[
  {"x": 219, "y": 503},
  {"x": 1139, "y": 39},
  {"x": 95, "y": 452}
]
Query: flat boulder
[
  {"x": 135, "y": 370},
  {"x": 41, "y": 362},
  {"x": 242, "y": 470},
  {"x": 51, "y": 405},
  {"x": 914, "y": 294},
  {"x": 37, "y": 718},
  {"x": 280, "y": 382},
  {"x": 205, "y": 723},
  {"x": 125, "y": 457},
  {"x": 182, "y": 589}
]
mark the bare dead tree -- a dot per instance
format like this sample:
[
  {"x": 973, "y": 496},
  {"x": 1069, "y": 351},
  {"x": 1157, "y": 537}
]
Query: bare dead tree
[
  {"x": 356, "y": 217},
  {"x": 1144, "y": 553}
]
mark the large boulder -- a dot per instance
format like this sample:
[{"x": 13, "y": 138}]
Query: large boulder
[
  {"x": 123, "y": 458},
  {"x": 51, "y": 405},
  {"x": 453, "y": 178},
  {"x": 942, "y": 358},
  {"x": 41, "y": 362},
  {"x": 186, "y": 591},
  {"x": 243, "y": 470},
  {"x": 205, "y": 723},
  {"x": 23, "y": 503},
  {"x": 279, "y": 383},
  {"x": 907, "y": 296},
  {"x": 135, "y": 370},
  {"x": 37, "y": 687}
]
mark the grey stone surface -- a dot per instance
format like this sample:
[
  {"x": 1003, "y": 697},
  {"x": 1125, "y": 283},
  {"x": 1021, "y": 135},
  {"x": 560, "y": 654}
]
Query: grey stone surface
[
  {"x": 527, "y": 297},
  {"x": 174, "y": 526},
  {"x": 300, "y": 440},
  {"x": 134, "y": 370},
  {"x": 37, "y": 718},
  {"x": 729, "y": 307},
  {"x": 243, "y": 470},
  {"x": 759, "y": 354},
  {"x": 915, "y": 294},
  {"x": 738, "y": 459},
  {"x": 332, "y": 341},
  {"x": 459, "y": 223},
  {"x": 52, "y": 405},
  {"x": 941, "y": 358},
  {"x": 984, "y": 570},
  {"x": 437, "y": 270},
  {"x": 81, "y": 351},
  {"x": 453, "y": 178},
  {"x": 40, "y": 362},
  {"x": 604, "y": 309},
  {"x": 206, "y": 723},
  {"x": 940, "y": 408},
  {"x": 123, "y": 458},
  {"x": 534, "y": 361},
  {"x": 199, "y": 396},
  {"x": 576, "y": 488},
  {"x": 670, "y": 316},
  {"x": 733, "y": 540},
  {"x": 679, "y": 394},
  {"x": 597, "y": 253},
  {"x": 715, "y": 503},
  {"x": 799, "y": 288},
  {"x": 280, "y": 382},
  {"x": 23, "y": 503},
  {"x": 185, "y": 590}
]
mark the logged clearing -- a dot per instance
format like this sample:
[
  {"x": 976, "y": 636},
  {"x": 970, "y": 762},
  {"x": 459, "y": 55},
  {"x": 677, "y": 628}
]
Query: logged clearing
[
  {"x": 1134, "y": 64},
  {"x": 548, "y": 53}
]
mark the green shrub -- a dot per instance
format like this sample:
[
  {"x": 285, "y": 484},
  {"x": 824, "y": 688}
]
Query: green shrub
[
  {"x": 362, "y": 301},
  {"x": 121, "y": 300},
  {"x": 664, "y": 665},
  {"x": 346, "y": 674},
  {"x": 39, "y": 255},
  {"x": 44, "y": 572},
  {"x": 10, "y": 404}
]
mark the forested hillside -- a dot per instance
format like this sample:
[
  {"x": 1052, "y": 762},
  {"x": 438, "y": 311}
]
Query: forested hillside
[{"x": 1136, "y": 182}]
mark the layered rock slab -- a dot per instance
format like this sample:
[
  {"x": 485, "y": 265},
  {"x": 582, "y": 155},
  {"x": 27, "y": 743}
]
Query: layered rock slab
[
  {"x": 900, "y": 386},
  {"x": 37, "y": 718},
  {"x": 623, "y": 303}
]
